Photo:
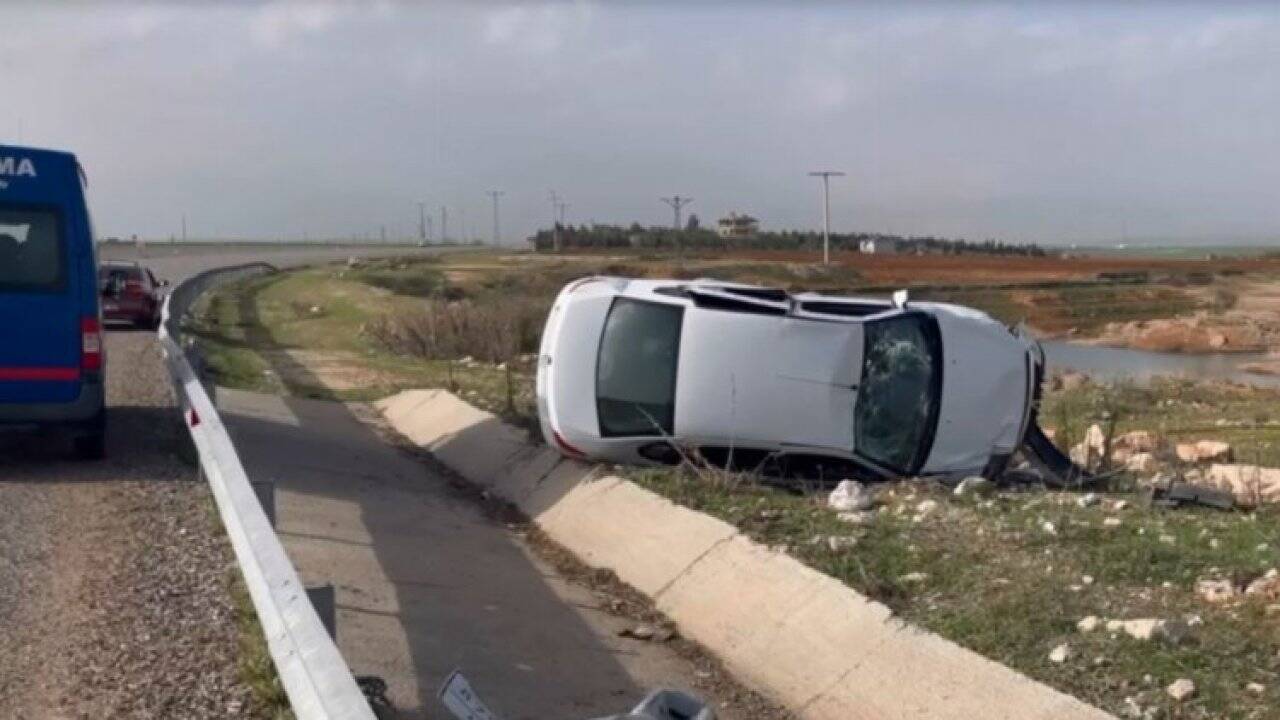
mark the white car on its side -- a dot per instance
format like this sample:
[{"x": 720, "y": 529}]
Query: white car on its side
[{"x": 650, "y": 371}]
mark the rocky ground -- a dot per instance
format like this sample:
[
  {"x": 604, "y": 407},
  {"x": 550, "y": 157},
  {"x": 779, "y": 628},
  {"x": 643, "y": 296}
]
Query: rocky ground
[{"x": 114, "y": 575}]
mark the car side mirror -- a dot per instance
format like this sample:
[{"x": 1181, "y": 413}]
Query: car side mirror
[{"x": 900, "y": 299}]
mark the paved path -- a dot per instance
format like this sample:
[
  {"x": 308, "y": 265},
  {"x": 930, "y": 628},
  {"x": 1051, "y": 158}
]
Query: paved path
[{"x": 426, "y": 583}]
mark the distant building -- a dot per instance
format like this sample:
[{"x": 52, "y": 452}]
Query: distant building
[
  {"x": 874, "y": 246},
  {"x": 737, "y": 226}
]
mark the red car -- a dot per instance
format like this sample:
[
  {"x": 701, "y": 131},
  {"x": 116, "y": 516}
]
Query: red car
[{"x": 130, "y": 293}]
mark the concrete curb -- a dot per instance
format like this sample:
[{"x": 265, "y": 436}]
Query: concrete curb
[{"x": 803, "y": 637}]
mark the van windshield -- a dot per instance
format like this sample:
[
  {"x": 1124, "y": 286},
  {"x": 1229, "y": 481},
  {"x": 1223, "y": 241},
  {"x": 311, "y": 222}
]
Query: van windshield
[{"x": 31, "y": 256}]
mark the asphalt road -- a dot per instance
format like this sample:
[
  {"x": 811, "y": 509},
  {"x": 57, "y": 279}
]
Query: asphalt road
[{"x": 113, "y": 574}]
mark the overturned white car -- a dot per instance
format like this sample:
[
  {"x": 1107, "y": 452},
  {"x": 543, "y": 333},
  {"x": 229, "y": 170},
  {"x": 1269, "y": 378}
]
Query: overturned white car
[{"x": 653, "y": 371}]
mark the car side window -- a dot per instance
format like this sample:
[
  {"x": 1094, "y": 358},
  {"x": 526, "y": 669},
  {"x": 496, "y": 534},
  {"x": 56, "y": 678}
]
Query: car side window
[{"x": 636, "y": 368}]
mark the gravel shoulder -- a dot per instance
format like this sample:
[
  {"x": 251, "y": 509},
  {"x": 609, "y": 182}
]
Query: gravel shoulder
[{"x": 114, "y": 575}]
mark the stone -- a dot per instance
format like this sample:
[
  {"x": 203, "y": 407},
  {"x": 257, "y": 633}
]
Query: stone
[
  {"x": 1111, "y": 522},
  {"x": 1215, "y": 591},
  {"x": 1267, "y": 586},
  {"x": 1087, "y": 500},
  {"x": 1148, "y": 629},
  {"x": 639, "y": 632},
  {"x": 925, "y": 507},
  {"x": 1095, "y": 439},
  {"x": 1086, "y": 579},
  {"x": 837, "y": 543},
  {"x": 1089, "y": 624},
  {"x": 1251, "y": 485},
  {"x": 914, "y": 577},
  {"x": 857, "y": 518},
  {"x": 1203, "y": 451},
  {"x": 1120, "y": 505},
  {"x": 1138, "y": 441},
  {"x": 1049, "y": 528},
  {"x": 974, "y": 485},
  {"x": 1255, "y": 688},
  {"x": 851, "y": 496},
  {"x": 1142, "y": 462},
  {"x": 1181, "y": 689},
  {"x": 1060, "y": 654}
]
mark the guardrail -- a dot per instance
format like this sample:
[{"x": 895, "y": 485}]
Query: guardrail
[{"x": 317, "y": 680}]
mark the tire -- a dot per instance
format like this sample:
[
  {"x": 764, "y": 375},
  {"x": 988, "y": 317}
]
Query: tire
[
  {"x": 90, "y": 447},
  {"x": 1057, "y": 469}
]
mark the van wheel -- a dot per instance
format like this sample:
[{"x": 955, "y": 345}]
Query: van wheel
[{"x": 90, "y": 447}]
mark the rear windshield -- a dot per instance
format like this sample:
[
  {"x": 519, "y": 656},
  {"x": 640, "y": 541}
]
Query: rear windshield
[
  {"x": 636, "y": 371},
  {"x": 31, "y": 256}
]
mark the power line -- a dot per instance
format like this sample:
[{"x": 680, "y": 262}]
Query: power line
[
  {"x": 826, "y": 176},
  {"x": 495, "y": 194},
  {"x": 676, "y": 202}
]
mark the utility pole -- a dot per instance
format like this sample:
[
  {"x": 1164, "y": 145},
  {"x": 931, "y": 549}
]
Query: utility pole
[
  {"x": 444, "y": 224},
  {"x": 422, "y": 223},
  {"x": 557, "y": 211},
  {"x": 676, "y": 204},
  {"x": 826, "y": 176},
  {"x": 495, "y": 194}
]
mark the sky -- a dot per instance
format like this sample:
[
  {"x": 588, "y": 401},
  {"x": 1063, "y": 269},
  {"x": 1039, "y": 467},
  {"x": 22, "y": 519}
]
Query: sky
[{"x": 1032, "y": 122}]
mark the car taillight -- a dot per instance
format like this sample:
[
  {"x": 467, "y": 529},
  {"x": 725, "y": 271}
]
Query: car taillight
[
  {"x": 90, "y": 344},
  {"x": 566, "y": 447}
]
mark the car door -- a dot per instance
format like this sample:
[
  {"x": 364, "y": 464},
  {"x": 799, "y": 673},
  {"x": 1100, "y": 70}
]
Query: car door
[{"x": 39, "y": 306}]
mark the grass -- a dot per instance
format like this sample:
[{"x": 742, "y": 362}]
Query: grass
[
  {"x": 983, "y": 572},
  {"x": 257, "y": 669}
]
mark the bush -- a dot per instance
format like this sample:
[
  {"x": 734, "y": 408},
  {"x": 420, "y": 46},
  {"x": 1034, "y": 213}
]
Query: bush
[{"x": 441, "y": 330}]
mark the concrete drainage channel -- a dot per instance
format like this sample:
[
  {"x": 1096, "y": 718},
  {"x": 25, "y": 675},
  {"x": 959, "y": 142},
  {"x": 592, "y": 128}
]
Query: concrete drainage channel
[
  {"x": 802, "y": 637},
  {"x": 298, "y": 622}
]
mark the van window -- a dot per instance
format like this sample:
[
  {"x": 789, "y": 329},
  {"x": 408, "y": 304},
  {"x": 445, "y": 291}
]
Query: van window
[{"x": 31, "y": 256}]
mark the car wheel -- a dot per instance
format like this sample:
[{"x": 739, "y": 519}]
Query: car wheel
[{"x": 90, "y": 447}]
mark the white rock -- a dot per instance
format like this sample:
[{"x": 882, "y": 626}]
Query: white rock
[
  {"x": 1060, "y": 654},
  {"x": 1089, "y": 624},
  {"x": 1150, "y": 629},
  {"x": 837, "y": 543},
  {"x": 925, "y": 507},
  {"x": 974, "y": 485},
  {"x": 914, "y": 577},
  {"x": 1049, "y": 528},
  {"x": 1086, "y": 579},
  {"x": 1181, "y": 689},
  {"x": 1215, "y": 591},
  {"x": 1143, "y": 462},
  {"x": 1168, "y": 539},
  {"x": 1087, "y": 500},
  {"x": 1111, "y": 522},
  {"x": 1255, "y": 688},
  {"x": 857, "y": 518},
  {"x": 851, "y": 496},
  {"x": 1120, "y": 504}
]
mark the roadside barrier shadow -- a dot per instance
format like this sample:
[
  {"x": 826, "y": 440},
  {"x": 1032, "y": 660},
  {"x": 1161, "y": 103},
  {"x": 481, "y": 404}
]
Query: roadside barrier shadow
[{"x": 420, "y": 570}]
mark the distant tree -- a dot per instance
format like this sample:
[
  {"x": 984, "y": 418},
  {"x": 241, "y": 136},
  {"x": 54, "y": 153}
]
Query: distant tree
[{"x": 693, "y": 223}]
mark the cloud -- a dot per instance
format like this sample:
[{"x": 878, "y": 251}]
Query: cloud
[
  {"x": 277, "y": 23},
  {"x": 538, "y": 30}
]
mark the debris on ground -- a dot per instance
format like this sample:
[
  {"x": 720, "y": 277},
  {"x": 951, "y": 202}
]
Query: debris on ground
[
  {"x": 1089, "y": 624},
  {"x": 1178, "y": 494},
  {"x": 851, "y": 496},
  {"x": 974, "y": 485},
  {"x": 1148, "y": 629},
  {"x": 1061, "y": 654},
  {"x": 1181, "y": 689}
]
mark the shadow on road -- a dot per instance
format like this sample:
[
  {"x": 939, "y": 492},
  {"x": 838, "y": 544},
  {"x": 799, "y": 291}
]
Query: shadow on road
[{"x": 425, "y": 582}]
